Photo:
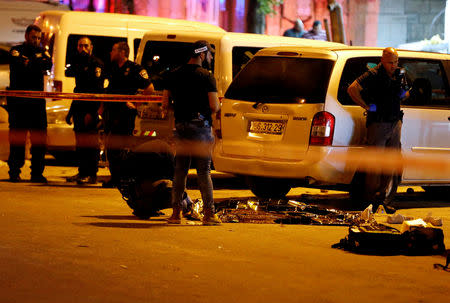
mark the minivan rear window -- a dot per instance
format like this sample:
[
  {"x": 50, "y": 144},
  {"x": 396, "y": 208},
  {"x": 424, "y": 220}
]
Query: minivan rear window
[
  {"x": 282, "y": 80},
  {"x": 161, "y": 57}
]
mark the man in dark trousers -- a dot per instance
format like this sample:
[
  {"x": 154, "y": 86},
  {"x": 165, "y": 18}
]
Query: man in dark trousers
[
  {"x": 194, "y": 93},
  {"x": 379, "y": 91},
  {"x": 126, "y": 78},
  {"x": 89, "y": 78},
  {"x": 28, "y": 64}
]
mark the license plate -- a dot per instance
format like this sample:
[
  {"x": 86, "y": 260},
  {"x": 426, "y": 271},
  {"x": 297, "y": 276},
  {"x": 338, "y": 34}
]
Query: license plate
[{"x": 267, "y": 127}]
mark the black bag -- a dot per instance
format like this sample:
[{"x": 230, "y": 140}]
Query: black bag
[{"x": 379, "y": 239}]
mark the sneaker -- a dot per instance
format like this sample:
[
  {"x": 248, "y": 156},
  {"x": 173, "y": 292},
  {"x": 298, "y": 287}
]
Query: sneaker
[
  {"x": 14, "y": 179},
  {"x": 175, "y": 218},
  {"x": 38, "y": 179},
  {"x": 87, "y": 180},
  {"x": 210, "y": 220}
]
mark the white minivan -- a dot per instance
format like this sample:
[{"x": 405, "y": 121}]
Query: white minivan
[
  {"x": 288, "y": 109},
  {"x": 161, "y": 52},
  {"x": 61, "y": 31}
]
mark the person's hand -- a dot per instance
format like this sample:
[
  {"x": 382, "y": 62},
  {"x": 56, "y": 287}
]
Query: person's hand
[
  {"x": 68, "y": 119},
  {"x": 130, "y": 105}
]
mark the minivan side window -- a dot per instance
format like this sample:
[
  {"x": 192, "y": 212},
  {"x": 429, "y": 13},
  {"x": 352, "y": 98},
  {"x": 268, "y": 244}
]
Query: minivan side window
[
  {"x": 161, "y": 57},
  {"x": 48, "y": 41},
  {"x": 428, "y": 81},
  {"x": 241, "y": 55},
  {"x": 354, "y": 68},
  {"x": 136, "y": 43},
  {"x": 102, "y": 47}
]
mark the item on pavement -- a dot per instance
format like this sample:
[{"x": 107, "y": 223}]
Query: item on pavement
[
  {"x": 397, "y": 219},
  {"x": 378, "y": 239}
]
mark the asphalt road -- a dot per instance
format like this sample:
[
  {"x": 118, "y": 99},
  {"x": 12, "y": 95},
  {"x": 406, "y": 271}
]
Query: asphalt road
[{"x": 64, "y": 243}]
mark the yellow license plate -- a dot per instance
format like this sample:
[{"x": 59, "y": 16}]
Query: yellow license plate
[{"x": 267, "y": 127}]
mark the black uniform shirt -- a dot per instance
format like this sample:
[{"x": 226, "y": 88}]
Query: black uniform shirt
[
  {"x": 380, "y": 89},
  {"x": 89, "y": 78},
  {"x": 189, "y": 86},
  {"x": 28, "y": 76},
  {"x": 126, "y": 80}
]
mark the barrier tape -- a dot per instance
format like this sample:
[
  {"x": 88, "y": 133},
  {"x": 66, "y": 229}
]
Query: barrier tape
[
  {"x": 154, "y": 98},
  {"x": 369, "y": 159},
  {"x": 366, "y": 158}
]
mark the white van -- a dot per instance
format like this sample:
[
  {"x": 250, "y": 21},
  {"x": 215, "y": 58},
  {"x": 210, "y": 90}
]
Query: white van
[
  {"x": 15, "y": 16},
  {"x": 61, "y": 31},
  {"x": 164, "y": 51},
  {"x": 289, "y": 103}
]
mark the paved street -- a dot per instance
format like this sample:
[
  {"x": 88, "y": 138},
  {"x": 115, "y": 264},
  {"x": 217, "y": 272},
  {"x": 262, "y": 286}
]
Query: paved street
[{"x": 64, "y": 243}]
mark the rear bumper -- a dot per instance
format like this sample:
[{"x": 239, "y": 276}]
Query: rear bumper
[
  {"x": 60, "y": 137},
  {"x": 315, "y": 166}
]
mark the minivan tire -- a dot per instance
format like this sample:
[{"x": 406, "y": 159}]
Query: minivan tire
[
  {"x": 268, "y": 188},
  {"x": 437, "y": 191}
]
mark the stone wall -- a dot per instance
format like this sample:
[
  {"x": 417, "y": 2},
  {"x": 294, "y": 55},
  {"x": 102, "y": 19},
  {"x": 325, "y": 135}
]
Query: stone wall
[{"x": 404, "y": 21}]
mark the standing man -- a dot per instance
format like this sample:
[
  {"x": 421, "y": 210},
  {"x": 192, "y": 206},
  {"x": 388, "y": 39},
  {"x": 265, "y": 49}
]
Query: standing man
[
  {"x": 89, "y": 78},
  {"x": 126, "y": 77},
  {"x": 316, "y": 33},
  {"x": 297, "y": 31},
  {"x": 379, "y": 91},
  {"x": 194, "y": 93},
  {"x": 28, "y": 64}
]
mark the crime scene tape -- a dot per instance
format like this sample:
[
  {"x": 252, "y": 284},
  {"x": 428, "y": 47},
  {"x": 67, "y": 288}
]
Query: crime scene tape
[{"x": 154, "y": 98}]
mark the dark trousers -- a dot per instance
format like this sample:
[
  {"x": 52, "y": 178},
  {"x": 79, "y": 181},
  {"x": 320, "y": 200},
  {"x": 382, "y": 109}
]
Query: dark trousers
[
  {"x": 118, "y": 138},
  {"x": 17, "y": 142},
  {"x": 88, "y": 152},
  {"x": 87, "y": 142},
  {"x": 381, "y": 135}
]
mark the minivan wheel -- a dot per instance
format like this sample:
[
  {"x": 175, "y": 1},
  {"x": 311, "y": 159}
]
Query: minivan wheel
[
  {"x": 268, "y": 188},
  {"x": 438, "y": 191}
]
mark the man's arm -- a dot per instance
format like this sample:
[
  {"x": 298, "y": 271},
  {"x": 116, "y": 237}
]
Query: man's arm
[
  {"x": 150, "y": 89},
  {"x": 214, "y": 104},
  {"x": 354, "y": 91}
]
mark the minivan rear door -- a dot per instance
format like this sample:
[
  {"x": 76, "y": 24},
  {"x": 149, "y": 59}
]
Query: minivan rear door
[
  {"x": 269, "y": 106},
  {"x": 161, "y": 52}
]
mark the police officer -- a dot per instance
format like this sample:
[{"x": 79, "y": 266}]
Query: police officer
[
  {"x": 89, "y": 78},
  {"x": 194, "y": 93},
  {"x": 379, "y": 91},
  {"x": 126, "y": 78},
  {"x": 28, "y": 64}
]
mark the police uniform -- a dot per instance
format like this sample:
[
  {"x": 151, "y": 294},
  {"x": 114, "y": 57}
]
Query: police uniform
[
  {"x": 384, "y": 118},
  {"x": 189, "y": 86},
  {"x": 28, "y": 64},
  {"x": 118, "y": 117},
  {"x": 89, "y": 78}
]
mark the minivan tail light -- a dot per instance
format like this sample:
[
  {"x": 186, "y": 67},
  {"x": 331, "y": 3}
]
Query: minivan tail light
[
  {"x": 218, "y": 126},
  {"x": 322, "y": 129},
  {"x": 57, "y": 86}
]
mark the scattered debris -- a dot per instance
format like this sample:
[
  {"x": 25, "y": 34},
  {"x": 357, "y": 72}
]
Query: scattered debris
[{"x": 274, "y": 211}]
